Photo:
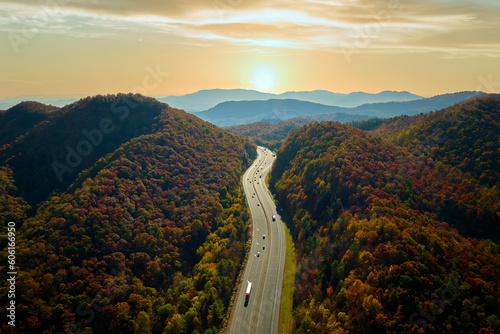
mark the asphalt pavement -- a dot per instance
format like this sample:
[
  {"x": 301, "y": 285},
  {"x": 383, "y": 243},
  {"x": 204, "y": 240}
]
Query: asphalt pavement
[{"x": 266, "y": 264}]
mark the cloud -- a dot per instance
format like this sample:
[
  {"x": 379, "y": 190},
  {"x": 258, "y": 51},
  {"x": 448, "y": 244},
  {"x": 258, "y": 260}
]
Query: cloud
[{"x": 459, "y": 26}]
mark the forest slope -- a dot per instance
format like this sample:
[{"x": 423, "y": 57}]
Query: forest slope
[
  {"x": 376, "y": 247},
  {"x": 152, "y": 243},
  {"x": 50, "y": 156},
  {"x": 21, "y": 118},
  {"x": 464, "y": 135}
]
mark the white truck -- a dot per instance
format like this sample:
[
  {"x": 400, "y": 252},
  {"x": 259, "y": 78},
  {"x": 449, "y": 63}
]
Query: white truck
[{"x": 249, "y": 289}]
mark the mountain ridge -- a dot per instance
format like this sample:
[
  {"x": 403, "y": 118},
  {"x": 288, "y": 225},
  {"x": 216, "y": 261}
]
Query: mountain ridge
[
  {"x": 242, "y": 112},
  {"x": 216, "y": 96}
]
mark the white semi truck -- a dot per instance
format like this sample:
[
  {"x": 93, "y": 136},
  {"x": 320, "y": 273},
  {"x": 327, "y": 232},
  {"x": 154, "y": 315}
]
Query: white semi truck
[{"x": 249, "y": 289}]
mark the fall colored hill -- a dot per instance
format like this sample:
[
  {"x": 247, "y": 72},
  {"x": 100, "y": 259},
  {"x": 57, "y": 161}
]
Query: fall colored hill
[
  {"x": 376, "y": 236},
  {"x": 149, "y": 239},
  {"x": 464, "y": 135},
  {"x": 21, "y": 118},
  {"x": 50, "y": 156}
]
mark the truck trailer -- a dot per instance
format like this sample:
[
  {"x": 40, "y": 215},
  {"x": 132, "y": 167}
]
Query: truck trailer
[{"x": 249, "y": 289}]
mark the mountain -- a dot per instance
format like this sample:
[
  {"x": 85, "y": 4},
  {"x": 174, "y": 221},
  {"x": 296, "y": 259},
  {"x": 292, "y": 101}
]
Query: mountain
[
  {"x": 376, "y": 239},
  {"x": 150, "y": 239},
  {"x": 391, "y": 109},
  {"x": 242, "y": 112},
  {"x": 350, "y": 100},
  {"x": 206, "y": 99},
  {"x": 464, "y": 135},
  {"x": 271, "y": 134},
  {"x": 73, "y": 139},
  {"x": 235, "y": 113},
  {"x": 21, "y": 118}
]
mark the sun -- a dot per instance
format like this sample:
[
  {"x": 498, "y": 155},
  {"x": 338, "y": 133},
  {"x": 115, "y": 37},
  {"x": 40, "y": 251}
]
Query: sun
[{"x": 263, "y": 80}]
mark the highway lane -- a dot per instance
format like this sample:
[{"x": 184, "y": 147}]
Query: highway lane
[{"x": 261, "y": 314}]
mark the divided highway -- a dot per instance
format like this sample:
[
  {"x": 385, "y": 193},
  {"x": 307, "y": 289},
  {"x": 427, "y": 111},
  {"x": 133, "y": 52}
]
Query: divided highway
[{"x": 266, "y": 263}]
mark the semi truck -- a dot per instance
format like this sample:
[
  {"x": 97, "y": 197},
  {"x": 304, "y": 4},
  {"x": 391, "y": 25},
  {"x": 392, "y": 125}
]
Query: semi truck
[{"x": 249, "y": 289}]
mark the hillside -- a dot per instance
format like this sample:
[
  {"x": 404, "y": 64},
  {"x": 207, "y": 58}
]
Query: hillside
[
  {"x": 375, "y": 238},
  {"x": 152, "y": 243},
  {"x": 464, "y": 135},
  {"x": 21, "y": 118},
  {"x": 73, "y": 138},
  {"x": 272, "y": 134}
]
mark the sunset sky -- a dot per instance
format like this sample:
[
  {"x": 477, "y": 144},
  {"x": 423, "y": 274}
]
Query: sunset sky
[{"x": 87, "y": 47}]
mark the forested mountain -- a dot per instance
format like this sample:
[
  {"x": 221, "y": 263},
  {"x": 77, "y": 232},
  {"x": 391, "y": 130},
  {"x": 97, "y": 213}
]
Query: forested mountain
[
  {"x": 149, "y": 240},
  {"x": 272, "y": 134},
  {"x": 464, "y": 135},
  {"x": 376, "y": 236},
  {"x": 21, "y": 118},
  {"x": 73, "y": 138}
]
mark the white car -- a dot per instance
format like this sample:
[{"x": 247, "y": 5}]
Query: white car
[
  {"x": 264, "y": 236},
  {"x": 258, "y": 254}
]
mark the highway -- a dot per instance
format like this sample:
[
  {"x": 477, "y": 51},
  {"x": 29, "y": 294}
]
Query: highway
[{"x": 261, "y": 313}]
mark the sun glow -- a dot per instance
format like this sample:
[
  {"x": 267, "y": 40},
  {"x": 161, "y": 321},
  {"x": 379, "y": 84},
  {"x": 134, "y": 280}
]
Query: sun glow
[{"x": 263, "y": 80}]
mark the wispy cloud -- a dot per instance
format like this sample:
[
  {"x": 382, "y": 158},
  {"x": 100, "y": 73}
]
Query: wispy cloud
[{"x": 451, "y": 27}]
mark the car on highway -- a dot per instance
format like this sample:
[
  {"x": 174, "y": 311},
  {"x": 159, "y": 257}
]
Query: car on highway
[
  {"x": 258, "y": 254},
  {"x": 263, "y": 236},
  {"x": 264, "y": 247},
  {"x": 274, "y": 218}
]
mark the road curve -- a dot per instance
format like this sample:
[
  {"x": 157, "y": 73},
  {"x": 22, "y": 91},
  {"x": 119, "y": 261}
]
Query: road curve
[{"x": 261, "y": 313}]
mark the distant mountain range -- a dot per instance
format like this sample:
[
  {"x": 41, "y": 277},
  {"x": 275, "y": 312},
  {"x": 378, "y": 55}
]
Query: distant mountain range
[
  {"x": 206, "y": 99},
  {"x": 56, "y": 101},
  {"x": 243, "y": 112}
]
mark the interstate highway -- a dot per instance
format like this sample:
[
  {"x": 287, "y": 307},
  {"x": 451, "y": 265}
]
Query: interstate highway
[{"x": 261, "y": 314}]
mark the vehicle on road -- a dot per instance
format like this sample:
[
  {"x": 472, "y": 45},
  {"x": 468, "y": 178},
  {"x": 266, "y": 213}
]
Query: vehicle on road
[
  {"x": 249, "y": 289},
  {"x": 264, "y": 236},
  {"x": 274, "y": 218},
  {"x": 258, "y": 254},
  {"x": 264, "y": 247}
]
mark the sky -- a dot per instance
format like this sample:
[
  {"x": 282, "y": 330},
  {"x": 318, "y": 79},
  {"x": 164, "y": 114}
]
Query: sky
[{"x": 175, "y": 47}]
